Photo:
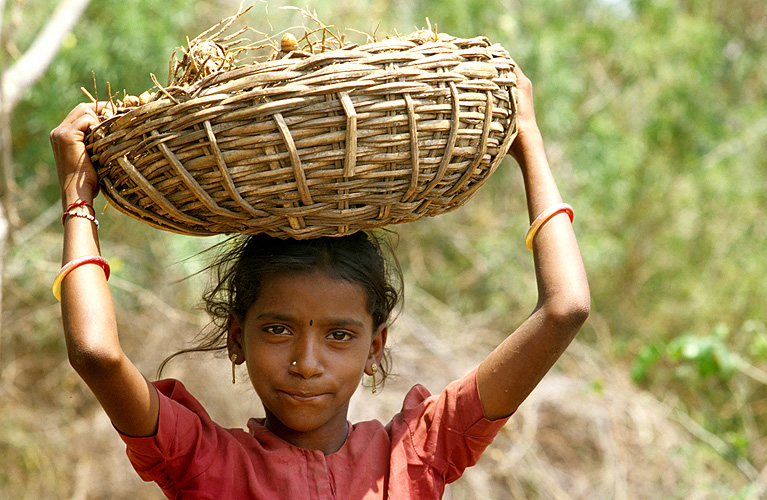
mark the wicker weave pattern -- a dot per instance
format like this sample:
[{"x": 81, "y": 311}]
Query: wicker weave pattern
[{"x": 349, "y": 139}]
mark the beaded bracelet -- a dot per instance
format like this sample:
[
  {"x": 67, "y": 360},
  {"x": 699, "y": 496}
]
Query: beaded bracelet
[
  {"x": 74, "y": 264},
  {"x": 543, "y": 218},
  {"x": 81, "y": 215}
]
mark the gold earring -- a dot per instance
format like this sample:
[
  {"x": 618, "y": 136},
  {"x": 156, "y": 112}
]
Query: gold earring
[
  {"x": 374, "y": 369},
  {"x": 233, "y": 357}
]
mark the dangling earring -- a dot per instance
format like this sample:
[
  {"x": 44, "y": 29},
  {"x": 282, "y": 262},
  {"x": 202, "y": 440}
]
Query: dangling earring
[
  {"x": 374, "y": 369},
  {"x": 233, "y": 357}
]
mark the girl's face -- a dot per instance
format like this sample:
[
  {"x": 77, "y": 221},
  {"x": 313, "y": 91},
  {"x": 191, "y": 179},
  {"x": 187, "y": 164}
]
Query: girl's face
[{"x": 307, "y": 340}]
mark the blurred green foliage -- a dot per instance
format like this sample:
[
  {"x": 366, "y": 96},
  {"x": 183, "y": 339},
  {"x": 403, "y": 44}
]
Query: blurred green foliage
[{"x": 654, "y": 117}]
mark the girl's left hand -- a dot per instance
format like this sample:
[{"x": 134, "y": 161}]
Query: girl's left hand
[
  {"x": 77, "y": 176},
  {"x": 515, "y": 367}
]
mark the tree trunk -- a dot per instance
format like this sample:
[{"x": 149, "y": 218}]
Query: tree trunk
[
  {"x": 29, "y": 67},
  {"x": 3, "y": 238},
  {"x": 14, "y": 80}
]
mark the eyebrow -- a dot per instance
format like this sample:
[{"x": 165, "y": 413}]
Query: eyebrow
[{"x": 346, "y": 322}]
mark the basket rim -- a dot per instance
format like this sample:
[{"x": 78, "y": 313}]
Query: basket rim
[{"x": 490, "y": 76}]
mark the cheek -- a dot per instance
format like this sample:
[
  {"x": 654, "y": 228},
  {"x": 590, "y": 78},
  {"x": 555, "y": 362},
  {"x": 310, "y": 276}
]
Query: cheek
[
  {"x": 263, "y": 355},
  {"x": 262, "y": 360},
  {"x": 352, "y": 367}
]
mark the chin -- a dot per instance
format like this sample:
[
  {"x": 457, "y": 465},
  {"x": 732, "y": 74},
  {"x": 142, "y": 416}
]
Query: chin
[{"x": 298, "y": 421}]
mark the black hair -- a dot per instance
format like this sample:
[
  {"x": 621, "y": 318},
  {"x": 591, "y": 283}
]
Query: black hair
[{"x": 362, "y": 258}]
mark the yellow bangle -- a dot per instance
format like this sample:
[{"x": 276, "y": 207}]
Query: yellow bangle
[
  {"x": 74, "y": 264},
  {"x": 543, "y": 218}
]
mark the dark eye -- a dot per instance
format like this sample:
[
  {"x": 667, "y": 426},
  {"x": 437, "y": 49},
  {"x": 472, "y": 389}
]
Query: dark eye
[
  {"x": 341, "y": 335},
  {"x": 277, "y": 330}
]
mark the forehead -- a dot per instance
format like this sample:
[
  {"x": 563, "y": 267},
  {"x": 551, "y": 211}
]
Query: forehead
[{"x": 312, "y": 296}]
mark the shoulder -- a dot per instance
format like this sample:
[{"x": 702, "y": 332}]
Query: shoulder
[
  {"x": 188, "y": 446},
  {"x": 366, "y": 440},
  {"x": 436, "y": 423},
  {"x": 460, "y": 397},
  {"x": 172, "y": 388},
  {"x": 445, "y": 432},
  {"x": 179, "y": 406},
  {"x": 173, "y": 392}
]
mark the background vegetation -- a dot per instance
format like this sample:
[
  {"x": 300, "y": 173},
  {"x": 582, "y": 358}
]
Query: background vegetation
[{"x": 654, "y": 116}]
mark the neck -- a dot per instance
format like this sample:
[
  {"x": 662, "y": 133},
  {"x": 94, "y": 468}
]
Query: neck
[{"x": 327, "y": 439}]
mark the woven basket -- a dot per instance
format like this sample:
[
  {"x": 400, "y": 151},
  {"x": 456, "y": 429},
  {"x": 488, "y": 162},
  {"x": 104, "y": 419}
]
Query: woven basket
[{"x": 324, "y": 145}]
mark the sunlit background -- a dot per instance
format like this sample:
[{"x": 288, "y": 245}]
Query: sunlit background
[{"x": 655, "y": 119}]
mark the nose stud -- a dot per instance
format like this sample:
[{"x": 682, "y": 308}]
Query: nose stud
[{"x": 294, "y": 363}]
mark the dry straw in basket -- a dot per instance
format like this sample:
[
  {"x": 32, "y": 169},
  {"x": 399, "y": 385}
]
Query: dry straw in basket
[{"x": 313, "y": 142}]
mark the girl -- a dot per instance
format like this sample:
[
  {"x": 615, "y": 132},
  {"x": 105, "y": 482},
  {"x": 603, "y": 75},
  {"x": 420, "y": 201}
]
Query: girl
[{"x": 308, "y": 318}]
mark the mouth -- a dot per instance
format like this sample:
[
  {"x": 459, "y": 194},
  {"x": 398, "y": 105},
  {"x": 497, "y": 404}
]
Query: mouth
[{"x": 303, "y": 397}]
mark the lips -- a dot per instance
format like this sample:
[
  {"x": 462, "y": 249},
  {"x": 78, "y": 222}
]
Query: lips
[{"x": 304, "y": 397}]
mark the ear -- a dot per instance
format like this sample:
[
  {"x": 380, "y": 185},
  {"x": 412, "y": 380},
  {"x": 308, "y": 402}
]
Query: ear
[
  {"x": 377, "y": 346},
  {"x": 234, "y": 338}
]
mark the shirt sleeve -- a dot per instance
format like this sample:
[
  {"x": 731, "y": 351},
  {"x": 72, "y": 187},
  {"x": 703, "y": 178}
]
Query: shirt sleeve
[
  {"x": 172, "y": 458},
  {"x": 449, "y": 431}
]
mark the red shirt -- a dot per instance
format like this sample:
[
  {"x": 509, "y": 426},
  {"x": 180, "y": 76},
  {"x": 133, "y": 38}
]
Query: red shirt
[{"x": 428, "y": 444}]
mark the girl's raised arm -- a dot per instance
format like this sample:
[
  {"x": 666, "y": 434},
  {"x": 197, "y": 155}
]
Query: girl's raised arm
[
  {"x": 515, "y": 367},
  {"x": 88, "y": 314}
]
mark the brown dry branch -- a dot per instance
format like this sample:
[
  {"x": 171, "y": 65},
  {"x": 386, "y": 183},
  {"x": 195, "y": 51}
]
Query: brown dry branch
[
  {"x": 214, "y": 50},
  {"x": 326, "y": 30}
]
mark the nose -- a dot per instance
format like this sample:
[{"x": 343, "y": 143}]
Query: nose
[{"x": 307, "y": 358}]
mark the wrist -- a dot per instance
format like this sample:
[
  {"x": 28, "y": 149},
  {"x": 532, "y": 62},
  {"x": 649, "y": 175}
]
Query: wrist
[
  {"x": 77, "y": 202},
  {"x": 529, "y": 150},
  {"x": 75, "y": 195}
]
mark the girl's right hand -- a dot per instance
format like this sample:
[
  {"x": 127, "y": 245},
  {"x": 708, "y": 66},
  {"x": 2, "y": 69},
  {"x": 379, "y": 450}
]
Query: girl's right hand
[
  {"x": 89, "y": 320},
  {"x": 77, "y": 176}
]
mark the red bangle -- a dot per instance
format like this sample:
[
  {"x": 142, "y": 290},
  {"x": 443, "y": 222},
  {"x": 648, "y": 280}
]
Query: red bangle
[
  {"x": 74, "y": 264},
  {"x": 81, "y": 203}
]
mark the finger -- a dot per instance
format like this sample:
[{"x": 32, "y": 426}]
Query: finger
[
  {"x": 77, "y": 123},
  {"x": 523, "y": 82},
  {"x": 89, "y": 108},
  {"x": 85, "y": 122},
  {"x": 72, "y": 134}
]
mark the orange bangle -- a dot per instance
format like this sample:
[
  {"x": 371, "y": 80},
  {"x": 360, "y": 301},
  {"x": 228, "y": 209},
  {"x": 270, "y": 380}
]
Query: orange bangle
[
  {"x": 74, "y": 264},
  {"x": 543, "y": 218}
]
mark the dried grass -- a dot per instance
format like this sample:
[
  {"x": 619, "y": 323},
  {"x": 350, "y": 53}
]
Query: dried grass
[
  {"x": 567, "y": 441},
  {"x": 586, "y": 432}
]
